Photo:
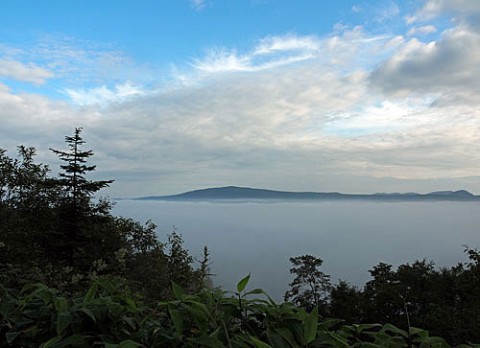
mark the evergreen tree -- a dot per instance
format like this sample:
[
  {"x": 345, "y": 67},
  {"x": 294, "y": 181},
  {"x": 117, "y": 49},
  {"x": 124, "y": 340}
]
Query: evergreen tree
[
  {"x": 73, "y": 178},
  {"x": 76, "y": 211}
]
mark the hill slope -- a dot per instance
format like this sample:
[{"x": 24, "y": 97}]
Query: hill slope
[{"x": 247, "y": 193}]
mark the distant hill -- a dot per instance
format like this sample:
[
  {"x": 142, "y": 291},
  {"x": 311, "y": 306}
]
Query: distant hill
[{"x": 246, "y": 193}]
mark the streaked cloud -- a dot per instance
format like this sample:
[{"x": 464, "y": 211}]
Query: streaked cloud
[
  {"x": 422, "y": 30},
  {"x": 103, "y": 95},
  {"x": 27, "y": 72},
  {"x": 72, "y": 61},
  {"x": 341, "y": 48},
  {"x": 268, "y": 53}
]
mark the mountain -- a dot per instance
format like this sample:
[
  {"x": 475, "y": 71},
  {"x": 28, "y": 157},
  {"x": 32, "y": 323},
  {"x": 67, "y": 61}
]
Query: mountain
[{"x": 247, "y": 193}]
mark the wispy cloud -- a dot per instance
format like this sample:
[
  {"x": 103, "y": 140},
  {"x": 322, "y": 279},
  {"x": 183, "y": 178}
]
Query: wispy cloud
[
  {"x": 27, "y": 72},
  {"x": 276, "y": 51},
  {"x": 422, "y": 30},
  {"x": 387, "y": 11},
  {"x": 102, "y": 95},
  {"x": 73, "y": 61},
  {"x": 198, "y": 5}
]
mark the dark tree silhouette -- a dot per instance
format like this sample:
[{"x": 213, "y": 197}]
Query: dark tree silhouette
[
  {"x": 76, "y": 208},
  {"x": 73, "y": 178},
  {"x": 310, "y": 286}
]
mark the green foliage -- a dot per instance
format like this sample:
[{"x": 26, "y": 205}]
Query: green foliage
[
  {"x": 446, "y": 302},
  {"x": 26, "y": 202},
  {"x": 107, "y": 315},
  {"x": 54, "y": 231},
  {"x": 345, "y": 302}
]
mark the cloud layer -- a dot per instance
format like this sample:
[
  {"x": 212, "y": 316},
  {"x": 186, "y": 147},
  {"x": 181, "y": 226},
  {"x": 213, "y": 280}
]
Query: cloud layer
[{"x": 350, "y": 111}]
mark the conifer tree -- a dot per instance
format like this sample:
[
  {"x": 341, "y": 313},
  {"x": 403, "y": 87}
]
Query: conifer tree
[
  {"x": 73, "y": 178},
  {"x": 76, "y": 208}
]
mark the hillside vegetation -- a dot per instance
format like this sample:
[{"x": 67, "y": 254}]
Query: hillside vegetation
[{"x": 74, "y": 275}]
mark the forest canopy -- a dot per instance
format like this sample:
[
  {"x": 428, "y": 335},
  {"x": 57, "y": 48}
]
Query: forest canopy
[{"x": 54, "y": 231}]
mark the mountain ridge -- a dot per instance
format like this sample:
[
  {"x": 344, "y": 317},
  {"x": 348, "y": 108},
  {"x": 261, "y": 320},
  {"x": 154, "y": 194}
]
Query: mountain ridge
[{"x": 236, "y": 193}]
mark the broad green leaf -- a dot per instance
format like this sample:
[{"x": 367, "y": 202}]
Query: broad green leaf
[
  {"x": 393, "y": 329},
  {"x": 286, "y": 334},
  {"x": 131, "y": 304},
  {"x": 63, "y": 321},
  {"x": 434, "y": 341},
  {"x": 199, "y": 313},
  {"x": 368, "y": 345},
  {"x": 338, "y": 339},
  {"x": 109, "y": 345},
  {"x": 71, "y": 341},
  {"x": 208, "y": 341},
  {"x": 359, "y": 328},
  {"x": 177, "y": 291},
  {"x": 10, "y": 336},
  {"x": 89, "y": 313},
  {"x": 129, "y": 344},
  {"x": 41, "y": 291},
  {"x": 418, "y": 332},
  {"x": 107, "y": 285},
  {"x": 51, "y": 342},
  {"x": 243, "y": 283},
  {"x": 258, "y": 343},
  {"x": 310, "y": 326},
  {"x": 61, "y": 304},
  {"x": 131, "y": 322},
  {"x": 328, "y": 324},
  {"x": 177, "y": 320},
  {"x": 276, "y": 340},
  {"x": 255, "y": 292},
  {"x": 90, "y": 294}
]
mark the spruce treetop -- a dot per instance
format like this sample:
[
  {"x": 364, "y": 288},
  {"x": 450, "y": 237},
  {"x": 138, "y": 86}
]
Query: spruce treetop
[{"x": 76, "y": 168}]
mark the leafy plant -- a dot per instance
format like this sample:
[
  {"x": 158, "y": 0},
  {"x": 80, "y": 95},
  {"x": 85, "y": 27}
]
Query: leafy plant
[{"x": 107, "y": 315}]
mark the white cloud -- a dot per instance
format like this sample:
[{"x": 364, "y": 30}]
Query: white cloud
[
  {"x": 463, "y": 11},
  {"x": 388, "y": 11},
  {"x": 287, "y": 43},
  {"x": 73, "y": 62},
  {"x": 221, "y": 60},
  {"x": 436, "y": 7},
  {"x": 29, "y": 72},
  {"x": 449, "y": 66},
  {"x": 103, "y": 95},
  {"x": 257, "y": 119},
  {"x": 356, "y": 8},
  {"x": 198, "y": 5},
  {"x": 269, "y": 53},
  {"x": 423, "y": 30},
  {"x": 276, "y": 51}
]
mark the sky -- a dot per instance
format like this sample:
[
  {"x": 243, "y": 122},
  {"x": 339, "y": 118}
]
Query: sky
[{"x": 349, "y": 96}]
